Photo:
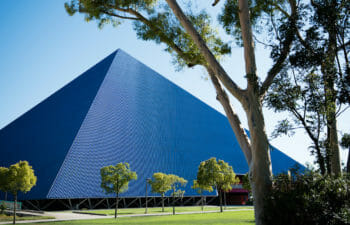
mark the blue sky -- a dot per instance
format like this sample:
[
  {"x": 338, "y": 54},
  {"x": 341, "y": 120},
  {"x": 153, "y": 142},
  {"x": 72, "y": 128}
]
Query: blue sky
[{"x": 42, "y": 48}]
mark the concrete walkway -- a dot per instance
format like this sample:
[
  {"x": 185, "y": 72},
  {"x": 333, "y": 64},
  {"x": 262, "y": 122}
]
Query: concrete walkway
[{"x": 66, "y": 216}]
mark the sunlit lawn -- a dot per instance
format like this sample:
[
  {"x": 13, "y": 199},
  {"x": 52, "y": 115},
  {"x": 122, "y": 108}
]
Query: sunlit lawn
[
  {"x": 235, "y": 218},
  {"x": 4, "y": 218},
  {"x": 166, "y": 210}
]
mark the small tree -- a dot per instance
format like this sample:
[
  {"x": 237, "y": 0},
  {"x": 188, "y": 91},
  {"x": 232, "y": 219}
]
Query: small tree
[
  {"x": 218, "y": 174},
  {"x": 200, "y": 189},
  {"x": 160, "y": 184},
  {"x": 345, "y": 143},
  {"x": 176, "y": 183},
  {"x": 115, "y": 179},
  {"x": 4, "y": 180},
  {"x": 20, "y": 177}
]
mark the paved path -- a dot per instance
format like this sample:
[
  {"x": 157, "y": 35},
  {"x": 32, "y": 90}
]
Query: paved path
[{"x": 66, "y": 216}]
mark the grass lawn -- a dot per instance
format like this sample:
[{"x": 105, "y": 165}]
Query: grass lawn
[
  {"x": 235, "y": 218},
  {"x": 4, "y": 218},
  {"x": 166, "y": 210}
]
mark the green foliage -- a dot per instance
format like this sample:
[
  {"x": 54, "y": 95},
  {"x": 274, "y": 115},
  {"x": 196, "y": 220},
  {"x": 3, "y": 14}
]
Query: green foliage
[
  {"x": 246, "y": 182},
  {"x": 4, "y": 179},
  {"x": 308, "y": 199},
  {"x": 216, "y": 174},
  {"x": 161, "y": 183},
  {"x": 115, "y": 179},
  {"x": 303, "y": 96},
  {"x": 153, "y": 20},
  {"x": 345, "y": 141},
  {"x": 2, "y": 208},
  {"x": 315, "y": 80},
  {"x": 201, "y": 188},
  {"x": 264, "y": 15},
  {"x": 20, "y": 177},
  {"x": 176, "y": 183}
]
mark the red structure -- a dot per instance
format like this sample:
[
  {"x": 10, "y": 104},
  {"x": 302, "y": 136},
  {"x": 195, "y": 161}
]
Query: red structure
[{"x": 238, "y": 195}]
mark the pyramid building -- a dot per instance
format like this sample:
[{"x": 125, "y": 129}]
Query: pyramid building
[{"x": 119, "y": 111}]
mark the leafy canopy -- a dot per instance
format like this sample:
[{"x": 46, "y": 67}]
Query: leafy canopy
[
  {"x": 201, "y": 188},
  {"x": 161, "y": 182},
  {"x": 154, "y": 20},
  {"x": 115, "y": 179},
  {"x": 345, "y": 141},
  {"x": 176, "y": 183},
  {"x": 20, "y": 177},
  {"x": 4, "y": 179},
  {"x": 216, "y": 174}
]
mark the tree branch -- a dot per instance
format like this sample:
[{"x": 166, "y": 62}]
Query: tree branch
[
  {"x": 280, "y": 9},
  {"x": 276, "y": 68},
  {"x": 119, "y": 16},
  {"x": 231, "y": 86},
  {"x": 232, "y": 117},
  {"x": 248, "y": 46},
  {"x": 343, "y": 46},
  {"x": 163, "y": 37},
  {"x": 216, "y": 2}
]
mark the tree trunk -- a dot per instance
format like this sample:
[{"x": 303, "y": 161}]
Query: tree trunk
[
  {"x": 14, "y": 208},
  {"x": 225, "y": 205},
  {"x": 329, "y": 72},
  {"x": 232, "y": 117},
  {"x": 348, "y": 163},
  {"x": 260, "y": 163},
  {"x": 202, "y": 201},
  {"x": 320, "y": 158},
  {"x": 260, "y": 171},
  {"x": 173, "y": 200},
  {"x": 116, "y": 206},
  {"x": 334, "y": 147},
  {"x": 220, "y": 198},
  {"x": 162, "y": 202},
  {"x": 322, "y": 161}
]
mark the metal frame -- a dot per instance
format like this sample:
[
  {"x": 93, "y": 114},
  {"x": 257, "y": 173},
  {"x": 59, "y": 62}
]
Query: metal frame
[{"x": 99, "y": 203}]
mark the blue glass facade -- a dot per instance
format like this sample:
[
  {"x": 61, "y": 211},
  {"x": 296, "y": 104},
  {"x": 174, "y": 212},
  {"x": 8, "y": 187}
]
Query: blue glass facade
[{"x": 120, "y": 111}]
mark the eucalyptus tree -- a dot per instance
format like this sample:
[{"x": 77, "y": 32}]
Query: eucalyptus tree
[
  {"x": 302, "y": 96},
  {"x": 190, "y": 39},
  {"x": 316, "y": 79},
  {"x": 115, "y": 179}
]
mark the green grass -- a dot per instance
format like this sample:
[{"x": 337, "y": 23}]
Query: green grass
[
  {"x": 235, "y": 218},
  {"x": 4, "y": 218},
  {"x": 159, "y": 210}
]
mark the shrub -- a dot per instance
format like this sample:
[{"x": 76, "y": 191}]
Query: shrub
[
  {"x": 2, "y": 208},
  {"x": 308, "y": 198}
]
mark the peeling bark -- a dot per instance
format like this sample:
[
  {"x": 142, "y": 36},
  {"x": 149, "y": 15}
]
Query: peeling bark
[
  {"x": 328, "y": 69},
  {"x": 260, "y": 170},
  {"x": 259, "y": 162},
  {"x": 232, "y": 117}
]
